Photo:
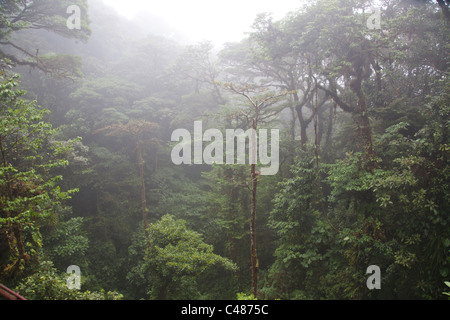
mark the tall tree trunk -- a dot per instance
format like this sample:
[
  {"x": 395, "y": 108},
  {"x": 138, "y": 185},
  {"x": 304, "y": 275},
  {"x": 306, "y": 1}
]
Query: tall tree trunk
[
  {"x": 303, "y": 127},
  {"x": 143, "y": 192},
  {"x": 303, "y": 122},
  {"x": 257, "y": 105},
  {"x": 155, "y": 162},
  {"x": 444, "y": 8},
  {"x": 254, "y": 256},
  {"x": 362, "y": 116},
  {"x": 330, "y": 126}
]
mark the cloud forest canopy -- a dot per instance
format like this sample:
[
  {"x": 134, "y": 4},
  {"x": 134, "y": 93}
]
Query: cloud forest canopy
[{"x": 86, "y": 175}]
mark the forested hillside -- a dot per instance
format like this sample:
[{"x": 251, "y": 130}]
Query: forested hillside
[{"x": 88, "y": 114}]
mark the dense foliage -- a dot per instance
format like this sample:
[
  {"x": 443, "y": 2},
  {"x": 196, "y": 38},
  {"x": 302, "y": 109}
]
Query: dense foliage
[{"x": 364, "y": 173}]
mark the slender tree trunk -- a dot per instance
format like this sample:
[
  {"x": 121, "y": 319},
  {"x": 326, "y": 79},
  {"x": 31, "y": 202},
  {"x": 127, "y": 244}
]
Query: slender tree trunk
[
  {"x": 254, "y": 256},
  {"x": 316, "y": 156},
  {"x": 330, "y": 126},
  {"x": 143, "y": 193},
  {"x": 303, "y": 123},
  {"x": 303, "y": 127},
  {"x": 254, "y": 176},
  {"x": 155, "y": 162}
]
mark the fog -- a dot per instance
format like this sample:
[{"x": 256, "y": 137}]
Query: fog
[{"x": 198, "y": 20}]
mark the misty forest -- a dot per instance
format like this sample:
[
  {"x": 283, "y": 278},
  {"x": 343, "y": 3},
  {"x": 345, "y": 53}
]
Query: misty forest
[{"x": 93, "y": 205}]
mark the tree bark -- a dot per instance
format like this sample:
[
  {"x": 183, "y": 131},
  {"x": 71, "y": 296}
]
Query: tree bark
[
  {"x": 143, "y": 192},
  {"x": 362, "y": 115},
  {"x": 303, "y": 122},
  {"x": 253, "y": 252},
  {"x": 330, "y": 125},
  {"x": 444, "y": 8}
]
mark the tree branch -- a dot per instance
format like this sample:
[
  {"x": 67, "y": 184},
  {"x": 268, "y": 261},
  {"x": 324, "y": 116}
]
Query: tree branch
[{"x": 333, "y": 94}]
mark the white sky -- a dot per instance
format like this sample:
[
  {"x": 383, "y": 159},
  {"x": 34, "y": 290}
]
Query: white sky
[{"x": 215, "y": 20}]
